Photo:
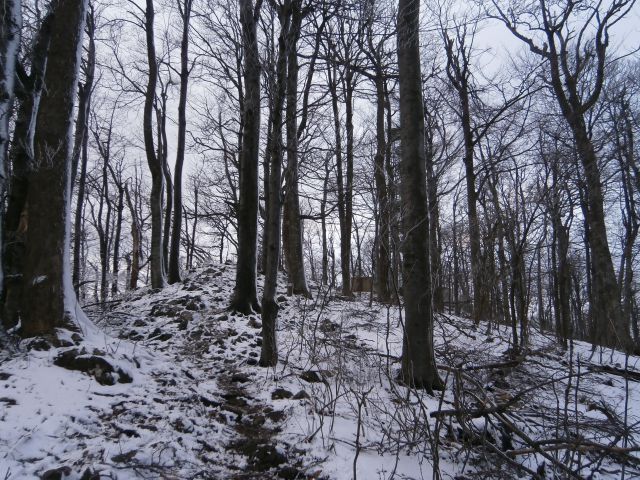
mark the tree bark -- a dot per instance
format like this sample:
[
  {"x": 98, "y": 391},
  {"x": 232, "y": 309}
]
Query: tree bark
[
  {"x": 136, "y": 240},
  {"x": 269, "y": 350},
  {"x": 21, "y": 156},
  {"x": 418, "y": 360},
  {"x": 158, "y": 279},
  {"x": 174, "y": 254},
  {"x": 10, "y": 30},
  {"x": 245, "y": 294},
  {"x": 49, "y": 297},
  {"x": 291, "y": 222}
]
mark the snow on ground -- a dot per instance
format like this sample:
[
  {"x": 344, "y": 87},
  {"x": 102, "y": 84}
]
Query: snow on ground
[{"x": 181, "y": 396}]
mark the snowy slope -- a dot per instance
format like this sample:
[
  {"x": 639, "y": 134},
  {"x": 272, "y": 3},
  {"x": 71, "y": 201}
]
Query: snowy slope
[{"x": 188, "y": 400}]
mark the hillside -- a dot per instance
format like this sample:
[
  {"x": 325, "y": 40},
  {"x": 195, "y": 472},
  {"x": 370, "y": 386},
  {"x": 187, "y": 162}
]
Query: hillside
[{"x": 167, "y": 386}]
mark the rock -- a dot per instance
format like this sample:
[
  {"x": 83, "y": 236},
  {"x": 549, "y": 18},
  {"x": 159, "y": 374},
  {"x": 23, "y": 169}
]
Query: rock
[
  {"x": 290, "y": 473},
  {"x": 90, "y": 475},
  {"x": 276, "y": 416},
  {"x": 281, "y": 393},
  {"x": 311, "y": 376},
  {"x": 329, "y": 326},
  {"x": 240, "y": 378},
  {"x": 301, "y": 395},
  {"x": 39, "y": 343},
  {"x": 98, "y": 367},
  {"x": 139, "y": 323},
  {"x": 254, "y": 323},
  {"x": 262, "y": 457},
  {"x": 164, "y": 310},
  {"x": 186, "y": 316},
  {"x": 282, "y": 299},
  {"x": 56, "y": 473},
  {"x": 124, "y": 457},
  {"x": 157, "y": 334}
]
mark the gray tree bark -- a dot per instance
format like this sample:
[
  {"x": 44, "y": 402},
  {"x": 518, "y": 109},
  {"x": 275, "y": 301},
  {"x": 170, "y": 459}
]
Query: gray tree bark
[
  {"x": 49, "y": 297},
  {"x": 245, "y": 295},
  {"x": 291, "y": 221},
  {"x": 158, "y": 278},
  {"x": 269, "y": 350},
  {"x": 10, "y": 29},
  {"x": 174, "y": 254},
  {"x": 418, "y": 360}
]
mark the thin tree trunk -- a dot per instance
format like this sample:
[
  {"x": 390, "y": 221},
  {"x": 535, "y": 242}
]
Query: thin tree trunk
[
  {"x": 174, "y": 254},
  {"x": 383, "y": 250},
  {"x": 80, "y": 149},
  {"x": 269, "y": 350},
  {"x": 116, "y": 241},
  {"x": 155, "y": 164},
  {"x": 136, "y": 240}
]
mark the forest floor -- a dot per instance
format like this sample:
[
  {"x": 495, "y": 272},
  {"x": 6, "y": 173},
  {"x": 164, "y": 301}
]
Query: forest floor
[{"x": 166, "y": 385}]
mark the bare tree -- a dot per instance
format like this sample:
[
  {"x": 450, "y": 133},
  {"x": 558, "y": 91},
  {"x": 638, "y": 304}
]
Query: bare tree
[
  {"x": 184, "y": 7},
  {"x": 418, "y": 359},
  {"x": 158, "y": 279},
  {"x": 573, "y": 40},
  {"x": 245, "y": 296}
]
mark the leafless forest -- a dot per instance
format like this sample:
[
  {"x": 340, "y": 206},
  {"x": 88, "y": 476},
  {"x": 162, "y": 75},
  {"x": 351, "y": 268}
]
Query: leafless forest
[{"x": 470, "y": 168}]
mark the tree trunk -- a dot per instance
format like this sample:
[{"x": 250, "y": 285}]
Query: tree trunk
[
  {"x": 269, "y": 350},
  {"x": 155, "y": 164},
  {"x": 245, "y": 295},
  {"x": 116, "y": 241},
  {"x": 418, "y": 361},
  {"x": 136, "y": 239},
  {"x": 15, "y": 221},
  {"x": 174, "y": 254},
  {"x": 383, "y": 250},
  {"x": 10, "y": 30},
  {"x": 49, "y": 297},
  {"x": 80, "y": 150},
  {"x": 608, "y": 325},
  {"x": 291, "y": 222}
]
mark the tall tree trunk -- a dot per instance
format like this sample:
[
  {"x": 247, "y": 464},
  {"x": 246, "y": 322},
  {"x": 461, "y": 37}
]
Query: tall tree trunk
[
  {"x": 418, "y": 360},
  {"x": 116, "y": 240},
  {"x": 174, "y": 254},
  {"x": 155, "y": 164},
  {"x": 434, "y": 226},
  {"x": 608, "y": 325},
  {"x": 163, "y": 158},
  {"x": 347, "y": 220},
  {"x": 22, "y": 161},
  {"x": 49, "y": 297},
  {"x": 245, "y": 295},
  {"x": 345, "y": 253},
  {"x": 383, "y": 250},
  {"x": 80, "y": 153},
  {"x": 269, "y": 350},
  {"x": 291, "y": 222},
  {"x": 10, "y": 30}
]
